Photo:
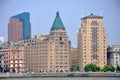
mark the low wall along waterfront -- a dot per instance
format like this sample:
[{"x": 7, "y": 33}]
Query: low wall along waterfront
[{"x": 79, "y": 74}]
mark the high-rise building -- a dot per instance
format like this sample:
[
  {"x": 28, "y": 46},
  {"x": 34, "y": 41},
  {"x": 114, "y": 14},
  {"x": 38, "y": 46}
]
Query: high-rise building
[
  {"x": 92, "y": 41},
  {"x": 113, "y": 55},
  {"x": 15, "y": 30},
  {"x": 49, "y": 53},
  {"x": 19, "y": 27}
]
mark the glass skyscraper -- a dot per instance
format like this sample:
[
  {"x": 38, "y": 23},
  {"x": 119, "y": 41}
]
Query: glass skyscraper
[
  {"x": 19, "y": 27},
  {"x": 25, "y": 18}
]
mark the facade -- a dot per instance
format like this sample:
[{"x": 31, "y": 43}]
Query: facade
[
  {"x": 74, "y": 57},
  {"x": 50, "y": 53},
  {"x": 92, "y": 41},
  {"x": 1, "y": 59},
  {"x": 15, "y": 30},
  {"x": 14, "y": 57},
  {"x": 113, "y": 55},
  {"x": 19, "y": 27}
]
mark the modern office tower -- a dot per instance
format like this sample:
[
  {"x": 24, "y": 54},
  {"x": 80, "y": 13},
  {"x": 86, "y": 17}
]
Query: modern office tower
[
  {"x": 19, "y": 27},
  {"x": 74, "y": 58},
  {"x": 14, "y": 57},
  {"x": 49, "y": 53},
  {"x": 92, "y": 41},
  {"x": 113, "y": 55}
]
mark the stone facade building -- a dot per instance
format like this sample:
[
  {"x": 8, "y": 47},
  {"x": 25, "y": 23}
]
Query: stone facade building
[
  {"x": 113, "y": 55},
  {"x": 92, "y": 41},
  {"x": 14, "y": 57},
  {"x": 49, "y": 53},
  {"x": 19, "y": 27},
  {"x": 74, "y": 57}
]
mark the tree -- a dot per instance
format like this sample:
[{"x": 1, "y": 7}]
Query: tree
[
  {"x": 92, "y": 67},
  {"x": 71, "y": 69},
  {"x": 112, "y": 68},
  {"x": 118, "y": 68},
  {"x": 78, "y": 68},
  {"x": 1, "y": 68},
  {"x": 7, "y": 69},
  {"x": 13, "y": 70},
  {"x": 107, "y": 68}
]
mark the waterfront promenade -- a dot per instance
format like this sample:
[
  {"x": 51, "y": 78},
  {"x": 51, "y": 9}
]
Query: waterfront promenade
[{"x": 68, "y": 74}]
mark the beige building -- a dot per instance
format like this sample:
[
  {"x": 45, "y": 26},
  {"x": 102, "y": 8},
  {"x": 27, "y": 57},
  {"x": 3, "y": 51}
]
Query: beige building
[
  {"x": 92, "y": 41},
  {"x": 49, "y": 53},
  {"x": 74, "y": 57}
]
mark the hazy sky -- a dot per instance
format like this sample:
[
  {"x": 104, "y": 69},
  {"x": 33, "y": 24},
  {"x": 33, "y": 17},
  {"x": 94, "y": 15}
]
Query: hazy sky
[{"x": 43, "y": 12}]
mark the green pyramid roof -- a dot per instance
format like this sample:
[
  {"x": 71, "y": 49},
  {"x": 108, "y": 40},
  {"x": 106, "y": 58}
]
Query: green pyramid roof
[{"x": 57, "y": 24}]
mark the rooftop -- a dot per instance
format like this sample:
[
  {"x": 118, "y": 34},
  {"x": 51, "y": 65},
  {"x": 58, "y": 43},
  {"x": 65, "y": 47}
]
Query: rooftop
[
  {"x": 92, "y": 16},
  {"x": 57, "y": 24}
]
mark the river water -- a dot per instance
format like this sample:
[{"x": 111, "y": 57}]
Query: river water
[{"x": 64, "y": 78}]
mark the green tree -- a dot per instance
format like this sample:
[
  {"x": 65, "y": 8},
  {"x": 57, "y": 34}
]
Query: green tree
[
  {"x": 78, "y": 68},
  {"x": 92, "y": 67},
  {"x": 6, "y": 69},
  {"x": 118, "y": 68},
  {"x": 71, "y": 69},
  {"x": 13, "y": 70},
  {"x": 1, "y": 68},
  {"x": 98, "y": 68},
  {"x": 107, "y": 68},
  {"x": 112, "y": 68}
]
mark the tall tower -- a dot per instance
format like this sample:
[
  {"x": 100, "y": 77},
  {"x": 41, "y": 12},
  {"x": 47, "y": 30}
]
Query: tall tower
[
  {"x": 59, "y": 47},
  {"x": 19, "y": 27},
  {"x": 92, "y": 41}
]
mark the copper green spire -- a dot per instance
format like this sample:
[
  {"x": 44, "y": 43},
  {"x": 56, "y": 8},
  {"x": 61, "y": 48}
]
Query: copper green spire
[{"x": 57, "y": 24}]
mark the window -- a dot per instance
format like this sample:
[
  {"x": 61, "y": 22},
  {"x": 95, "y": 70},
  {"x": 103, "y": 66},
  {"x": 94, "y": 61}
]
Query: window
[
  {"x": 11, "y": 61},
  {"x": 16, "y": 61},
  {"x": 116, "y": 62},
  {"x": 60, "y": 38},
  {"x": 94, "y": 23},
  {"x": 16, "y": 65},
  {"x": 116, "y": 57},
  {"x": 11, "y": 65},
  {"x": 20, "y": 65}
]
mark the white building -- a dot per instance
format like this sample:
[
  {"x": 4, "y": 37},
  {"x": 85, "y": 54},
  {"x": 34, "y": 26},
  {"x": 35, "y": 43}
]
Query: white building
[{"x": 113, "y": 55}]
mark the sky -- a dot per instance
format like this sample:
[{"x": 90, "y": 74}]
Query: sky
[{"x": 43, "y": 12}]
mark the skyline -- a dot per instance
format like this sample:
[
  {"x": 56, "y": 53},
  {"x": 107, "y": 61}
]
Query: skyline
[{"x": 71, "y": 12}]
